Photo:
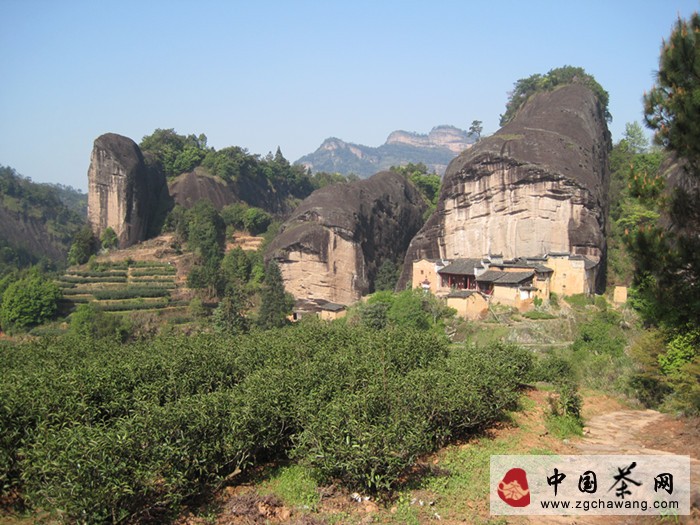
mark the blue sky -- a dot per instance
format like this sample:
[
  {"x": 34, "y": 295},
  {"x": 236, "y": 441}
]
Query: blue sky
[{"x": 262, "y": 74}]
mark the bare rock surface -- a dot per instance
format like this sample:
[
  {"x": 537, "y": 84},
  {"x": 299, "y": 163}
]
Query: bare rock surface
[
  {"x": 336, "y": 240},
  {"x": 539, "y": 185},
  {"x": 122, "y": 193}
]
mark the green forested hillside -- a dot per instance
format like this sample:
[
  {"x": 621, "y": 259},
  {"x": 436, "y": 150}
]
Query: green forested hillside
[{"x": 35, "y": 220}]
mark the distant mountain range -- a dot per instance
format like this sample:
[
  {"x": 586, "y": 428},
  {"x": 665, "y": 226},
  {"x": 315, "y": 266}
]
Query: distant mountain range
[{"x": 435, "y": 150}]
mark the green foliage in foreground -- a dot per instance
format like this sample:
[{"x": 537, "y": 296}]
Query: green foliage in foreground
[{"x": 105, "y": 431}]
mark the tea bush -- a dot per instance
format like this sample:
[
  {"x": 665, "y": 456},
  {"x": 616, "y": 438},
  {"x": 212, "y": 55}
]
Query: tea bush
[
  {"x": 131, "y": 292},
  {"x": 108, "y": 432}
]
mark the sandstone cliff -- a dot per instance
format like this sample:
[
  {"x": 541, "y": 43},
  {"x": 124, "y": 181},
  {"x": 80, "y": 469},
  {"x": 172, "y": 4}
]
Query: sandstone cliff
[
  {"x": 449, "y": 137},
  {"x": 336, "y": 240},
  {"x": 122, "y": 193},
  {"x": 539, "y": 185}
]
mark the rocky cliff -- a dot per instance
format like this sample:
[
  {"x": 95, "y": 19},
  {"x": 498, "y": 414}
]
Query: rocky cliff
[
  {"x": 435, "y": 150},
  {"x": 539, "y": 185},
  {"x": 448, "y": 137},
  {"x": 196, "y": 185},
  {"x": 123, "y": 193},
  {"x": 336, "y": 240}
]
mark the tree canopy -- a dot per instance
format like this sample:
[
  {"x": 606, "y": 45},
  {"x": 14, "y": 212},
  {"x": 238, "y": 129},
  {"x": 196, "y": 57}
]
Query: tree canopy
[{"x": 28, "y": 302}]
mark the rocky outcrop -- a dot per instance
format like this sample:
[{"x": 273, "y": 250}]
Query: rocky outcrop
[
  {"x": 435, "y": 150},
  {"x": 449, "y": 137},
  {"x": 336, "y": 240},
  {"x": 539, "y": 185},
  {"x": 189, "y": 188},
  {"x": 123, "y": 194}
]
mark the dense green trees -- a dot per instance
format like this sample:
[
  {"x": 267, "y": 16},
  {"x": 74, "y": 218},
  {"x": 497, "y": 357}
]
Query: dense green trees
[
  {"x": 672, "y": 110},
  {"x": 428, "y": 184},
  {"x": 109, "y": 239},
  {"x": 28, "y": 302},
  {"x": 84, "y": 245},
  {"x": 38, "y": 206},
  {"x": 407, "y": 309},
  {"x": 662, "y": 228},
  {"x": 276, "y": 304},
  {"x": 387, "y": 276},
  {"x": 635, "y": 186},
  {"x": 205, "y": 237},
  {"x": 173, "y": 154}
]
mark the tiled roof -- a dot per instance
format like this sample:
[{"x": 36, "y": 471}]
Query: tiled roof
[
  {"x": 515, "y": 277},
  {"x": 587, "y": 263},
  {"x": 462, "y": 267},
  {"x": 499, "y": 277},
  {"x": 332, "y": 307},
  {"x": 540, "y": 268},
  {"x": 490, "y": 276}
]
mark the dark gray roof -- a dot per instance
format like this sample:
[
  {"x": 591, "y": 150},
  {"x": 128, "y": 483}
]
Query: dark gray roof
[
  {"x": 333, "y": 307},
  {"x": 540, "y": 268},
  {"x": 499, "y": 277},
  {"x": 515, "y": 277},
  {"x": 490, "y": 276},
  {"x": 462, "y": 267},
  {"x": 587, "y": 263}
]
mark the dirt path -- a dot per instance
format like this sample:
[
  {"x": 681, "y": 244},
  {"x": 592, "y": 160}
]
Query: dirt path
[{"x": 638, "y": 432}]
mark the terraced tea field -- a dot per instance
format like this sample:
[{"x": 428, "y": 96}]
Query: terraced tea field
[{"x": 122, "y": 286}]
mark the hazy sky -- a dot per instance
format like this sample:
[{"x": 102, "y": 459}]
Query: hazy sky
[{"x": 261, "y": 74}]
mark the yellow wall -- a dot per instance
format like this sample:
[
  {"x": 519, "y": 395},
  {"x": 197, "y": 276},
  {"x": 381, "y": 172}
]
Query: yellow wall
[
  {"x": 422, "y": 270},
  {"x": 472, "y": 307},
  {"x": 569, "y": 277},
  {"x": 327, "y": 315},
  {"x": 620, "y": 294}
]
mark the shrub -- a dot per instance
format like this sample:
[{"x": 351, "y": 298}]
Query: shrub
[
  {"x": 29, "y": 302},
  {"x": 537, "y": 315},
  {"x": 154, "y": 271}
]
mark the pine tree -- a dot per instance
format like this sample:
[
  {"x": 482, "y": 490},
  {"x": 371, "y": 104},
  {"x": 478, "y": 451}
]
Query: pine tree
[
  {"x": 275, "y": 304},
  {"x": 668, "y": 256}
]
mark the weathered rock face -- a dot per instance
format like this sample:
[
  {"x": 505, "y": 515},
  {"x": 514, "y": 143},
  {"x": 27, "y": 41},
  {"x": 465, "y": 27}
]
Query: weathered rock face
[
  {"x": 122, "y": 193},
  {"x": 538, "y": 185},
  {"x": 336, "y": 240},
  {"x": 448, "y": 137},
  {"x": 189, "y": 188}
]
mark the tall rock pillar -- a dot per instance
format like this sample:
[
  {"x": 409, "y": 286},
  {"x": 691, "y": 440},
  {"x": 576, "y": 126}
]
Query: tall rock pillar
[{"x": 122, "y": 193}]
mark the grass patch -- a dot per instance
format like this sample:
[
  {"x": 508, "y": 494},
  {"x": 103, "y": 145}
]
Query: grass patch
[
  {"x": 295, "y": 485},
  {"x": 564, "y": 426},
  {"x": 579, "y": 300},
  {"x": 537, "y": 315}
]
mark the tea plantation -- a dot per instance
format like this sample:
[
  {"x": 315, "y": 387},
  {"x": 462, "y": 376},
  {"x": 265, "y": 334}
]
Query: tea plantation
[{"x": 104, "y": 432}]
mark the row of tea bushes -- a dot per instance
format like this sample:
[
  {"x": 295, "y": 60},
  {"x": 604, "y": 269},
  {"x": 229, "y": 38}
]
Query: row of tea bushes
[{"x": 106, "y": 431}]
